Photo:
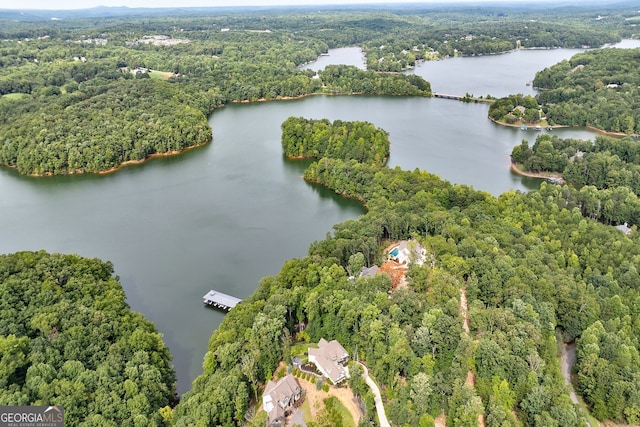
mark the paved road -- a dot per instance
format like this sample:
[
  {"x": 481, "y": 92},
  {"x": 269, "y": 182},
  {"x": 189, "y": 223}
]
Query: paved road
[
  {"x": 377, "y": 398},
  {"x": 567, "y": 360},
  {"x": 297, "y": 419}
]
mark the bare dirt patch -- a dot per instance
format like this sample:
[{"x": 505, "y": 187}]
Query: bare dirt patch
[
  {"x": 396, "y": 272},
  {"x": 343, "y": 393}
]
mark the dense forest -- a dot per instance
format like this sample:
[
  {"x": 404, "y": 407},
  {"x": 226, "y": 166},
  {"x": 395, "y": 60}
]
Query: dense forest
[
  {"x": 521, "y": 109},
  {"x": 604, "y": 175},
  {"x": 536, "y": 270},
  {"x": 99, "y": 126},
  {"x": 536, "y": 250},
  {"x": 360, "y": 141},
  {"x": 75, "y": 95},
  {"x": 596, "y": 88},
  {"x": 68, "y": 338},
  {"x": 73, "y": 103}
]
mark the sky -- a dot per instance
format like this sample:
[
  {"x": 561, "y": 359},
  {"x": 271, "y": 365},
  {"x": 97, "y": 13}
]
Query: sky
[{"x": 84, "y": 4}]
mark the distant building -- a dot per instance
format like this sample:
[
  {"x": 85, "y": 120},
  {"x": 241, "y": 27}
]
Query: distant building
[
  {"x": 157, "y": 40},
  {"x": 98, "y": 41},
  {"x": 624, "y": 228},
  {"x": 579, "y": 154},
  {"x": 520, "y": 109},
  {"x": 329, "y": 358},
  {"x": 279, "y": 397},
  {"x": 369, "y": 271}
]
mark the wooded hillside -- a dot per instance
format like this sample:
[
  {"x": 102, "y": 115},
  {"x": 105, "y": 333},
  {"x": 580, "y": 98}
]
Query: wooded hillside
[
  {"x": 68, "y": 338},
  {"x": 536, "y": 274}
]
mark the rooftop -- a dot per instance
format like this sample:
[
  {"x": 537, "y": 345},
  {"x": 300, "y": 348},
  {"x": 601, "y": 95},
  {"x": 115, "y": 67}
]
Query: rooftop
[{"x": 218, "y": 298}]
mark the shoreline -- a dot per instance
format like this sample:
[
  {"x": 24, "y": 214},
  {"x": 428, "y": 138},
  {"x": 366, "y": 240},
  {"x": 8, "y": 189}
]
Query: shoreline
[
  {"x": 345, "y": 195},
  {"x": 518, "y": 125},
  {"x": 540, "y": 175},
  {"x": 151, "y": 156},
  {"x": 120, "y": 166},
  {"x": 294, "y": 98},
  {"x": 548, "y": 127},
  {"x": 608, "y": 133}
]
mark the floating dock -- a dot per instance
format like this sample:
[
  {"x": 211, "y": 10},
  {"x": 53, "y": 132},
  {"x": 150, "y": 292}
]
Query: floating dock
[{"x": 220, "y": 300}]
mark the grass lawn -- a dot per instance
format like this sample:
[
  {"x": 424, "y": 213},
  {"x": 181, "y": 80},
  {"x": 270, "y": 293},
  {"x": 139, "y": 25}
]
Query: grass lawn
[
  {"x": 160, "y": 75},
  {"x": 347, "y": 418},
  {"x": 301, "y": 348},
  {"x": 15, "y": 96},
  {"x": 306, "y": 410}
]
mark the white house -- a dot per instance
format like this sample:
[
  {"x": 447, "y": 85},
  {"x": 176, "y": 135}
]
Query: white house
[{"x": 407, "y": 251}]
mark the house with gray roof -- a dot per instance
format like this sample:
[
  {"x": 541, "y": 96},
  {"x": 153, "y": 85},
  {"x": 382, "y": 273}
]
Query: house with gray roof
[
  {"x": 329, "y": 358},
  {"x": 369, "y": 271},
  {"x": 279, "y": 397}
]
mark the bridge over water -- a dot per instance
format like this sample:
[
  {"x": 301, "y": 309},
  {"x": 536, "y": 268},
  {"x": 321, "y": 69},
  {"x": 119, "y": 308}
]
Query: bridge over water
[{"x": 461, "y": 98}]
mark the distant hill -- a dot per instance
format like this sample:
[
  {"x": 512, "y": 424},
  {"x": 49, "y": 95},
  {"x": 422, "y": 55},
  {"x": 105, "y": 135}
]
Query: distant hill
[
  {"x": 96, "y": 12},
  {"x": 113, "y": 11}
]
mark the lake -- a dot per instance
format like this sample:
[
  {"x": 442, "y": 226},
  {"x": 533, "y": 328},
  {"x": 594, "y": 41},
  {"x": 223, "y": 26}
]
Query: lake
[{"x": 227, "y": 214}]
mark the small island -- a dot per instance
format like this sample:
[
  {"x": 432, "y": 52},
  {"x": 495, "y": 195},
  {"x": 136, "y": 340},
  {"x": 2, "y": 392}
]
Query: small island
[{"x": 314, "y": 139}]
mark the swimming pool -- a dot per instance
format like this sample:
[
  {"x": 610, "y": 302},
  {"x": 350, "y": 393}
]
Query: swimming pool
[{"x": 394, "y": 252}]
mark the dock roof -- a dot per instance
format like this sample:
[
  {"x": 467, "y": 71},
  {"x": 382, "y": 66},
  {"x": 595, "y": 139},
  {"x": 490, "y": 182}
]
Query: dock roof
[{"x": 221, "y": 299}]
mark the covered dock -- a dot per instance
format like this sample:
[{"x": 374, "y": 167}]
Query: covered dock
[{"x": 220, "y": 300}]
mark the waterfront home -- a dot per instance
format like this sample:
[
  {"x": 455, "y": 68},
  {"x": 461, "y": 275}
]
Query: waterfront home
[
  {"x": 407, "y": 251},
  {"x": 330, "y": 358},
  {"x": 278, "y": 398}
]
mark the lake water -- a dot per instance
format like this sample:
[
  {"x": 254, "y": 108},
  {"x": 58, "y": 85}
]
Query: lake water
[
  {"x": 496, "y": 75},
  {"x": 219, "y": 217},
  {"x": 344, "y": 56},
  {"x": 227, "y": 214}
]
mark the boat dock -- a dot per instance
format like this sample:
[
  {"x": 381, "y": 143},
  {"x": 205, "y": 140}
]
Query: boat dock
[{"x": 220, "y": 300}]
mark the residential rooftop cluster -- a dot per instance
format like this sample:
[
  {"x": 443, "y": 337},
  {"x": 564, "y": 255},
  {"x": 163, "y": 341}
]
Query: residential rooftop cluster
[
  {"x": 157, "y": 40},
  {"x": 279, "y": 398}
]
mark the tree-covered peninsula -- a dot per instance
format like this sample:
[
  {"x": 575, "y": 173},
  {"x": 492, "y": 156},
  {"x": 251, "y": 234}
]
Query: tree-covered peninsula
[
  {"x": 360, "y": 141},
  {"x": 604, "y": 175},
  {"x": 596, "y": 88},
  {"x": 67, "y": 337},
  {"x": 475, "y": 332},
  {"x": 99, "y": 126}
]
